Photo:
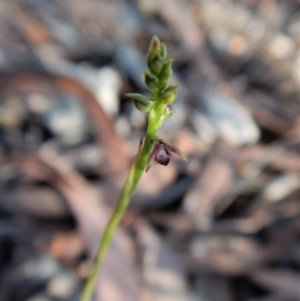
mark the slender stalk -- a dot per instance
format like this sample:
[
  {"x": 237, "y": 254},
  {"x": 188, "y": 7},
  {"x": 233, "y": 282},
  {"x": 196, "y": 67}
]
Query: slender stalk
[
  {"x": 153, "y": 149},
  {"x": 129, "y": 186}
]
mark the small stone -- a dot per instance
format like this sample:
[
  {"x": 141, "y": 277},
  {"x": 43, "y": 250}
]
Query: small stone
[
  {"x": 107, "y": 91},
  {"x": 230, "y": 119},
  {"x": 67, "y": 119},
  {"x": 42, "y": 268},
  {"x": 282, "y": 47},
  {"x": 281, "y": 187},
  {"x": 62, "y": 286}
]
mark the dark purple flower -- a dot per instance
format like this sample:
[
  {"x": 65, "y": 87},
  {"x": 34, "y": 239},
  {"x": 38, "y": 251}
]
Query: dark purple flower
[{"x": 161, "y": 153}]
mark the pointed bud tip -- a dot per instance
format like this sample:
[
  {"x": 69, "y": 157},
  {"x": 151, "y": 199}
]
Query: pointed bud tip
[
  {"x": 184, "y": 158},
  {"x": 169, "y": 61},
  {"x": 155, "y": 43}
]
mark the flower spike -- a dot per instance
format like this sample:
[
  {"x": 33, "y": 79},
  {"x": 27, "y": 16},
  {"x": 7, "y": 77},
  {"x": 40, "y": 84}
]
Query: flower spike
[{"x": 151, "y": 150}]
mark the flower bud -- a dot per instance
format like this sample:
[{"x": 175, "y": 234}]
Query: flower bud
[
  {"x": 155, "y": 65},
  {"x": 141, "y": 102},
  {"x": 169, "y": 95},
  {"x": 166, "y": 71},
  {"x": 169, "y": 112},
  {"x": 151, "y": 80},
  {"x": 155, "y": 45},
  {"x": 141, "y": 107}
]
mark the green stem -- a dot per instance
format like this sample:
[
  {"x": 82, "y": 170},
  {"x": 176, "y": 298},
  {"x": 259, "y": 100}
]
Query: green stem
[
  {"x": 129, "y": 186},
  {"x": 155, "y": 78}
]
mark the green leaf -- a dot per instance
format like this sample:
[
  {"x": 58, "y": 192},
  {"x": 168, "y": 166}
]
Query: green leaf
[{"x": 141, "y": 102}]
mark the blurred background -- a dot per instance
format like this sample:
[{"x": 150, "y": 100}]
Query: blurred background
[{"x": 225, "y": 226}]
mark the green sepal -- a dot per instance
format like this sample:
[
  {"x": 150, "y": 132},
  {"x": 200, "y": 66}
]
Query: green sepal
[
  {"x": 169, "y": 95},
  {"x": 139, "y": 97},
  {"x": 163, "y": 51}
]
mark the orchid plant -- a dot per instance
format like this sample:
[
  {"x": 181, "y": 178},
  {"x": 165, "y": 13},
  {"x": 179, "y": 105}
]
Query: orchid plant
[{"x": 152, "y": 149}]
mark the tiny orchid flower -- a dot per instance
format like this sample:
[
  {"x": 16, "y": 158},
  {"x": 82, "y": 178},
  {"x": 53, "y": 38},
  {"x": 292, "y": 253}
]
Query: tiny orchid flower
[{"x": 161, "y": 153}]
